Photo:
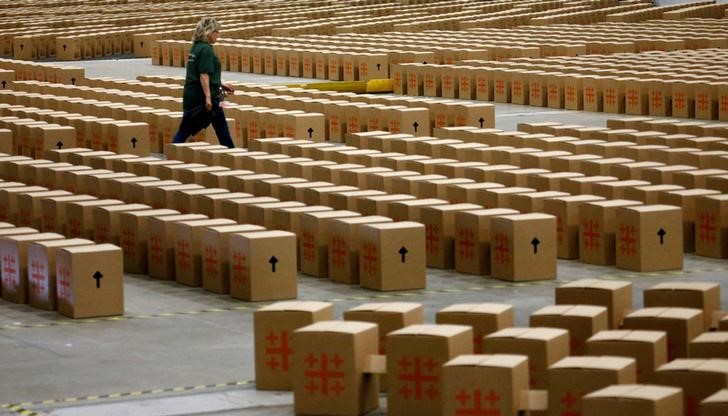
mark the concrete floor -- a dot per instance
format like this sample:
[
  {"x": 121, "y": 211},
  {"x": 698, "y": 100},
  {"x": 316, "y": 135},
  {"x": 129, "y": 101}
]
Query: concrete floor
[{"x": 184, "y": 351}]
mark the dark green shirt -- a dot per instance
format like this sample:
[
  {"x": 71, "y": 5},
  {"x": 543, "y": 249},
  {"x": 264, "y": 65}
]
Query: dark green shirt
[{"x": 202, "y": 60}]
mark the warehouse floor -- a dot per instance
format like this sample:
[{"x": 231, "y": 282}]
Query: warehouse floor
[{"x": 184, "y": 351}]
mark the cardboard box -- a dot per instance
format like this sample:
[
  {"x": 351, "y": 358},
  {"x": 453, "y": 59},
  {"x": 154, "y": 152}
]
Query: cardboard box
[
  {"x": 42, "y": 270},
  {"x": 648, "y": 348},
  {"x": 162, "y": 242},
  {"x": 680, "y": 324},
  {"x": 697, "y": 295},
  {"x": 698, "y": 378},
  {"x": 484, "y": 318},
  {"x": 79, "y": 216},
  {"x": 439, "y": 221},
  {"x": 343, "y": 247},
  {"x": 9, "y": 200},
  {"x": 711, "y": 234},
  {"x": 188, "y": 249},
  {"x": 710, "y": 345},
  {"x": 55, "y": 212},
  {"x": 414, "y": 366},
  {"x": 216, "y": 263},
  {"x": 566, "y": 211},
  {"x": 314, "y": 239},
  {"x": 524, "y": 247},
  {"x": 687, "y": 200},
  {"x": 389, "y": 316},
  {"x": 331, "y": 378},
  {"x": 616, "y": 296},
  {"x": 15, "y": 266},
  {"x": 90, "y": 281},
  {"x": 484, "y": 384},
  {"x": 134, "y": 237},
  {"x": 648, "y": 400},
  {"x": 472, "y": 239},
  {"x": 29, "y": 207},
  {"x": 715, "y": 405},
  {"x": 410, "y": 210},
  {"x": 597, "y": 230},
  {"x": 582, "y": 321},
  {"x": 392, "y": 256},
  {"x": 106, "y": 221},
  {"x": 649, "y": 238},
  {"x": 263, "y": 265}
]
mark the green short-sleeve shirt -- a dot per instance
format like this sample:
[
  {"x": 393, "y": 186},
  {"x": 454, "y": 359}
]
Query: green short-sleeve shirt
[{"x": 201, "y": 60}]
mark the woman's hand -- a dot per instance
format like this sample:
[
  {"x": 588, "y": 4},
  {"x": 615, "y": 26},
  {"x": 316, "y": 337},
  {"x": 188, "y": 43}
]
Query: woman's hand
[
  {"x": 228, "y": 88},
  {"x": 208, "y": 103}
]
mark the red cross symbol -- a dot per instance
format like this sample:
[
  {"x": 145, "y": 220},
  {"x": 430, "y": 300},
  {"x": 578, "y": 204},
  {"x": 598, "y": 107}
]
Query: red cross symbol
[
  {"x": 432, "y": 238},
  {"x": 418, "y": 378},
  {"x": 447, "y": 82},
  {"x": 679, "y": 101},
  {"x": 352, "y": 123},
  {"x": 590, "y": 95},
  {"x": 24, "y": 217},
  {"x": 632, "y": 97},
  {"x": 397, "y": 78},
  {"x": 394, "y": 126},
  {"x": 3, "y": 213},
  {"x": 657, "y": 99},
  {"x": 481, "y": 85},
  {"x": 279, "y": 350},
  {"x": 309, "y": 245},
  {"x": 703, "y": 101},
  {"x": 240, "y": 268},
  {"x": 429, "y": 81},
  {"x": 10, "y": 270},
  {"x": 610, "y": 96},
  {"x": 64, "y": 284},
  {"x": 128, "y": 240},
  {"x": 211, "y": 261},
  {"x": 591, "y": 234},
  {"x": 724, "y": 104},
  {"x": 570, "y": 94},
  {"x": 477, "y": 408},
  {"x": 319, "y": 370},
  {"x": 338, "y": 251},
  {"x": 441, "y": 120},
  {"x": 334, "y": 122},
  {"x": 502, "y": 249},
  {"x": 369, "y": 258},
  {"x": 37, "y": 277},
  {"x": 155, "y": 247},
  {"x": 517, "y": 88},
  {"x": 49, "y": 222},
  {"x": 373, "y": 123},
  {"x": 363, "y": 70},
  {"x": 253, "y": 128},
  {"x": 536, "y": 90},
  {"x": 348, "y": 68},
  {"x": 183, "y": 255},
  {"x": 412, "y": 82},
  {"x": 569, "y": 401},
  {"x": 74, "y": 227},
  {"x": 559, "y": 229},
  {"x": 707, "y": 227},
  {"x": 500, "y": 86},
  {"x": 627, "y": 240},
  {"x": 466, "y": 244},
  {"x": 575, "y": 346},
  {"x": 553, "y": 91},
  {"x": 101, "y": 233}
]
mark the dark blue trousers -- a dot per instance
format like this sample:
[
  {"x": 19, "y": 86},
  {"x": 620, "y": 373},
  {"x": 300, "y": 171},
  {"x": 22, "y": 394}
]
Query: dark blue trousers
[{"x": 191, "y": 126}]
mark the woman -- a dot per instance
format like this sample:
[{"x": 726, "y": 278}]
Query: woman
[{"x": 203, "y": 87}]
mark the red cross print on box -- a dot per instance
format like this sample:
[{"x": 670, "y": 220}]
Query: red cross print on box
[
  {"x": 183, "y": 255},
  {"x": 702, "y": 101},
  {"x": 553, "y": 92},
  {"x": 412, "y": 81},
  {"x": 627, "y": 240},
  {"x": 74, "y": 227},
  {"x": 591, "y": 235},
  {"x": 369, "y": 258},
  {"x": 590, "y": 95},
  {"x": 309, "y": 245},
  {"x": 477, "y": 403},
  {"x": 632, "y": 97},
  {"x": 240, "y": 268},
  {"x": 155, "y": 249},
  {"x": 324, "y": 374},
  {"x": 610, "y": 96},
  {"x": 724, "y": 104},
  {"x": 338, "y": 251},
  {"x": 707, "y": 228},
  {"x": 38, "y": 279},
  {"x": 570, "y": 94},
  {"x": 279, "y": 351},
  {"x": 502, "y": 249},
  {"x": 517, "y": 88},
  {"x": 10, "y": 271},
  {"x": 536, "y": 90},
  {"x": 432, "y": 238},
  {"x": 679, "y": 100},
  {"x": 49, "y": 222},
  {"x": 466, "y": 244},
  {"x": 128, "y": 238},
  {"x": 418, "y": 378},
  {"x": 570, "y": 402},
  {"x": 63, "y": 284},
  {"x": 211, "y": 261}
]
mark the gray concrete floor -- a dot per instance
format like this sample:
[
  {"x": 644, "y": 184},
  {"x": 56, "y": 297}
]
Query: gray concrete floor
[{"x": 184, "y": 351}]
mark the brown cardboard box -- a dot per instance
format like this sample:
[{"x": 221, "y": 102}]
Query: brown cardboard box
[
  {"x": 211, "y": 204},
  {"x": 414, "y": 365},
  {"x": 216, "y": 263},
  {"x": 649, "y": 238},
  {"x": 499, "y": 197},
  {"x": 524, "y": 247},
  {"x": 273, "y": 328},
  {"x": 411, "y": 210},
  {"x": 263, "y": 266},
  {"x": 106, "y": 221},
  {"x": 29, "y": 207},
  {"x": 710, "y": 345},
  {"x": 687, "y": 200},
  {"x": 633, "y": 399},
  {"x": 332, "y": 379},
  {"x": 389, "y": 316},
  {"x": 262, "y": 214},
  {"x": 314, "y": 239},
  {"x": 698, "y": 378},
  {"x": 681, "y": 325},
  {"x": 55, "y": 210},
  {"x": 188, "y": 249},
  {"x": 582, "y": 321},
  {"x": 162, "y": 242},
  {"x": 379, "y": 205},
  {"x": 79, "y": 214},
  {"x": 711, "y": 234},
  {"x": 90, "y": 281},
  {"x": 237, "y": 209},
  {"x": 616, "y": 296},
  {"x": 715, "y": 405},
  {"x": 566, "y": 211},
  {"x": 343, "y": 247},
  {"x": 484, "y": 384},
  {"x": 392, "y": 256},
  {"x": 597, "y": 239},
  {"x": 187, "y": 199},
  {"x": 472, "y": 239},
  {"x": 484, "y": 318},
  {"x": 648, "y": 348},
  {"x": 697, "y": 295},
  {"x": 134, "y": 237},
  {"x": 9, "y": 200},
  {"x": 439, "y": 221},
  {"x": 15, "y": 266},
  {"x": 574, "y": 377}
]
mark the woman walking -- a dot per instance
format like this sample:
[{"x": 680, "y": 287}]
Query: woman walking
[{"x": 203, "y": 87}]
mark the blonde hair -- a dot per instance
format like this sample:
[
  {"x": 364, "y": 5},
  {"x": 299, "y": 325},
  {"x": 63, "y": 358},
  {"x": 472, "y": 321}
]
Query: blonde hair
[{"x": 204, "y": 28}]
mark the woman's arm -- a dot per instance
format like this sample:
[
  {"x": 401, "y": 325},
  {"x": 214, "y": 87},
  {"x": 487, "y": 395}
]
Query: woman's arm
[{"x": 205, "y": 82}]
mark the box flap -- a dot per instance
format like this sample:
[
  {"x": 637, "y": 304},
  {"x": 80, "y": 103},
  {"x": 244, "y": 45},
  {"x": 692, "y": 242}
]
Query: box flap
[
  {"x": 528, "y": 217},
  {"x": 613, "y": 335},
  {"x": 375, "y": 364},
  {"x": 588, "y": 311},
  {"x": 689, "y": 286},
  {"x": 682, "y": 364},
  {"x": 553, "y": 310},
  {"x": 432, "y": 330},
  {"x": 645, "y": 336},
  {"x": 714, "y": 365},
  {"x": 543, "y": 334},
  {"x": 485, "y": 308},
  {"x": 646, "y": 313},
  {"x": 302, "y": 306},
  {"x": 466, "y": 360},
  {"x": 719, "y": 397},
  {"x": 654, "y": 208},
  {"x": 712, "y": 338},
  {"x": 509, "y": 333},
  {"x": 503, "y": 360},
  {"x": 96, "y": 248},
  {"x": 594, "y": 363},
  {"x": 681, "y": 313}
]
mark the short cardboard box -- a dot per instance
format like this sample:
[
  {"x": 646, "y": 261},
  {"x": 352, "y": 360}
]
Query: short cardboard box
[
  {"x": 715, "y": 405},
  {"x": 648, "y": 348},
  {"x": 216, "y": 263},
  {"x": 634, "y": 399},
  {"x": 698, "y": 378},
  {"x": 682, "y": 325},
  {"x": 710, "y": 345},
  {"x": 566, "y": 211},
  {"x": 314, "y": 240},
  {"x": 79, "y": 217},
  {"x": 616, "y": 296},
  {"x": 484, "y": 318},
  {"x": 698, "y": 295},
  {"x": 649, "y": 238},
  {"x": 711, "y": 234},
  {"x": 389, "y": 316},
  {"x": 106, "y": 221},
  {"x": 582, "y": 321},
  {"x": 687, "y": 199}
]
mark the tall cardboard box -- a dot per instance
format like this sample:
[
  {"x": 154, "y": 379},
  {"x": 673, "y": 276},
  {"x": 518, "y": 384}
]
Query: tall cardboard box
[
  {"x": 55, "y": 211},
  {"x": 698, "y": 378},
  {"x": 687, "y": 199},
  {"x": 484, "y": 384},
  {"x": 566, "y": 211},
  {"x": 710, "y": 345},
  {"x": 543, "y": 346},
  {"x": 648, "y": 348},
  {"x": 574, "y": 377},
  {"x": 523, "y": 247},
  {"x": 273, "y": 327},
  {"x": 597, "y": 239},
  {"x": 188, "y": 249},
  {"x": 331, "y": 377},
  {"x": 263, "y": 266},
  {"x": 134, "y": 237},
  {"x": 439, "y": 221},
  {"x": 472, "y": 239},
  {"x": 343, "y": 247},
  {"x": 314, "y": 239},
  {"x": 682, "y": 325},
  {"x": 634, "y": 399},
  {"x": 711, "y": 233},
  {"x": 89, "y": 281},
  {"x": 392, "y": 256},
  {"x": 216, "y": 263},
  {"x": 616, "y": 296},
  {"x": 698, "y": 295},
  {"x": 42, "y": 270},
  {"x": 15, "y": 266},
  {"x": 649, "y": 238},
  {"x": 106, "y": 221},
  {"x": 414, "y": 366},
  {"x": 717, "y": 404},
  {"x": 29, "y": 207},
  {"x": 484, "y": 318},
  {"x": 79, "y": 217},
  {"x": 582, "y": 321}
]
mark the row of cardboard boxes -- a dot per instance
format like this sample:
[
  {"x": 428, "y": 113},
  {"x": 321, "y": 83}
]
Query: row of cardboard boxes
[
  {"x": 39, "y": 71},
  {"x": 570, "y": 351}
]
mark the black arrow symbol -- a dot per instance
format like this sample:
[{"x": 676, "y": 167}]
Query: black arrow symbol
[
  {"x": 273, "y": 260},
  {"x": 482, "y": 120},
  {"x": 310, "y": 132},
  {"x": 535, "y": 244},
  {"x": 662, "y": 233},
  {"x": 64, "y": 48},
  {"x": 424, "y": 62},
  {"x": 133, "y": 142},
  {"x": 4, "y": 82},
  {"x": 415, "y": 125},
  {"x": 141, "y": 44},
  {"x": 22, "y": 46},
  {"x": 403, "y": 253},
  {"x": 98, "y": 277},
  {"x": 73, "y": 81},
  {"x": 59, "y": 144},
  {"x": 379, "y": 66}
]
